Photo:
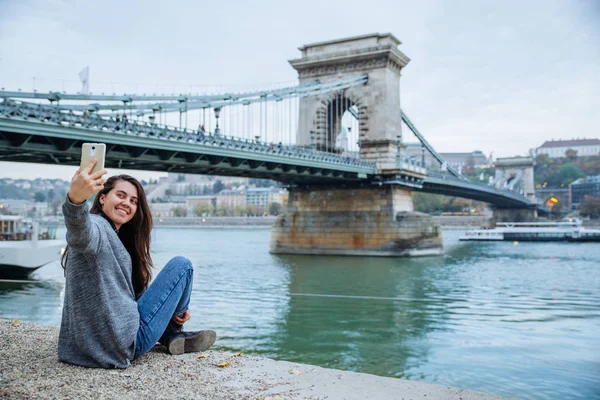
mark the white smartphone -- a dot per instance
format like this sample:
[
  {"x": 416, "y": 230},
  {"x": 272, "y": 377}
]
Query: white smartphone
[{"x": 89, "y": 151}]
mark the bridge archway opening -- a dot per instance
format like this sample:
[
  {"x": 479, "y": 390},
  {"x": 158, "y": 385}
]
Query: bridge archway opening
[
  {"x": 349, "y": 141},
  {"x": 509, "y": 180},
  {"x": 338, "y": 127},
  {"x": 552, "y": 203}
]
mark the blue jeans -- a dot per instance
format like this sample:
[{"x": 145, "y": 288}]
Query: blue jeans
[{"x": 167, "y": 296}]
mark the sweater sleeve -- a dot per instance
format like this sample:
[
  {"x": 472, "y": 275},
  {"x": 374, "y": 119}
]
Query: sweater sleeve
[{"x": 83, "y": 234}]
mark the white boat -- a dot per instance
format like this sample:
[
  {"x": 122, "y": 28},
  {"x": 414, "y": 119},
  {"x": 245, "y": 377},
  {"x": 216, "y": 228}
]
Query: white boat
[
  {"x": 564, "y": 231},
  {"x": 24, "y": 247}
]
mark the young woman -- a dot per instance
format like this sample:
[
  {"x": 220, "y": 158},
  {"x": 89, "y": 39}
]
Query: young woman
[{"x": 111, "y": 315}]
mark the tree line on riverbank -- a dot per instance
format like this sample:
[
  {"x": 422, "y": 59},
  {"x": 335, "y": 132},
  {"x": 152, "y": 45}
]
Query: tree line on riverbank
[{"x": 207, "y": 210}]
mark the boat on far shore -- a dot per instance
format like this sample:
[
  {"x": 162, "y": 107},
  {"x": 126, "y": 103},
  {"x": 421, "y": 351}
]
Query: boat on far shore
[
  {"x": 27, "y": 245},
  {"x": 562, "y": 231}
]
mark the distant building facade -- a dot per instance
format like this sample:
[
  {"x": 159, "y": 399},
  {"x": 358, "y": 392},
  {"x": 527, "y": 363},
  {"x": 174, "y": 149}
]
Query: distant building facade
[
  {"x": 231, "y": 198},
  {"x": 418, "y": 153},
  {"x": 258, "y": 197},
  {"x": 558, "y": 148},
  {"x": 191, "y": 202},
  {"x": 473, "y": 159},
  {"x": 279, "y": 195},
  {"x": 173, "y": 177},
  {"x": 262, "y": 197},
  {"x": 589, "y": 186},
  {"x": 161, "y": 210},
  {"x": 25, "y": 207}
]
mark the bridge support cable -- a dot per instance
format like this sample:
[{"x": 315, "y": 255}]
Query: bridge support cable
[
  {"x": 22, "y": 122},
  {"x": 186, "y": 103},
  {"x": 497, "y": 179},
  {"x": 429, "y": 148},
  {"x": 258, "y": 116},
  {"x": 515, "y": 180},
  {"x": 423, "y": 141}
]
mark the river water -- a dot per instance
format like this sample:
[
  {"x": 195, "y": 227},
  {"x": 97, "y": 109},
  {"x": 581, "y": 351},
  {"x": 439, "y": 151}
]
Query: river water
[{"x": 518, "y": 320}]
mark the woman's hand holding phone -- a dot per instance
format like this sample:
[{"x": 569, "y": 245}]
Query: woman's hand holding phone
[{"x": 83, "y": 185}]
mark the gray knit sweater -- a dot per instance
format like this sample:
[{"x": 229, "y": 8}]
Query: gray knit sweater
[{"x": 100, "y": 318}]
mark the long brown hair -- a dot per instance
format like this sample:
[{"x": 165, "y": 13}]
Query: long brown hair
[{"x": 135, "y": 234}]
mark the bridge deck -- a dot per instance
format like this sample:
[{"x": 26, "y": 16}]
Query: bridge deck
[{"x": 45, "y": 134}]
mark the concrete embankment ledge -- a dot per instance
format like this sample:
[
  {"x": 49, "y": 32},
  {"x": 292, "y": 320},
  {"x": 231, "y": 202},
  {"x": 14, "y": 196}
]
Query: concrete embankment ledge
[{"x": 30, "y": 369}]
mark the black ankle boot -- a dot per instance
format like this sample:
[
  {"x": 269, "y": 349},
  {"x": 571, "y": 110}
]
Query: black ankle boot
[
  {"x": 178, "y": 342},
  {"x": 171, "y": 329}
]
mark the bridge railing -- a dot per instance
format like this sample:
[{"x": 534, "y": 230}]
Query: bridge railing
[
  {"x": 89, "y": 120},
  {"x": 410, "y": 164},
  {"x": 450, "y": 177}
]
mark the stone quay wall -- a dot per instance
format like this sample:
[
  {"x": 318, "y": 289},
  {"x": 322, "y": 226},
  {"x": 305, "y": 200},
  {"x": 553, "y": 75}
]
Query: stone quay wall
[
  {"x": 212, "y": 222},
  {"x": 514, "y": 215}
]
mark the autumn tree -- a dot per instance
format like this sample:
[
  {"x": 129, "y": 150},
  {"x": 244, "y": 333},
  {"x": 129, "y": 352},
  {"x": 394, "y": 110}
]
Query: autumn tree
[
  {"x": 218, "y": 186},
  {"x": 427, "y": 202},
  {"x": 590, "y": 207},
  {"x": 565, "y": 175},
  {"x": 202, "y": 210},
  {"x": 274, "y": 208},
  {"x": 571, "y": 154},
  {"x": 179, "y": 211},
  {"x": 39, "y": 197},
  {"x": 240, "y": 211}
]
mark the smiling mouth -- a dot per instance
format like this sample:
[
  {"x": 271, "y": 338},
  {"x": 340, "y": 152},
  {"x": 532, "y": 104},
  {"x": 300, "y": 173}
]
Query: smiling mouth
[{"x": 122, "y": 212}]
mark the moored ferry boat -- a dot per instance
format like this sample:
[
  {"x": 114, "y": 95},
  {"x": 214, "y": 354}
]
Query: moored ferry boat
[
  {"x": 24, "y": 246},
  {"x": 564, "y": 231}
]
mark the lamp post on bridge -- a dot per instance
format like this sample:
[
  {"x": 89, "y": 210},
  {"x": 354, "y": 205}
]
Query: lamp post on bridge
[
  {"x": 217, "y": 115},
  {"x": 399, "y": 151}
]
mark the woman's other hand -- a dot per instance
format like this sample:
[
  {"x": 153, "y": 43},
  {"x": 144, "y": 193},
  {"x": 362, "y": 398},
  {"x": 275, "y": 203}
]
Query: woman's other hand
[
  {"x": 183, "y": 318},
  {"x": 83, "y": 185}
]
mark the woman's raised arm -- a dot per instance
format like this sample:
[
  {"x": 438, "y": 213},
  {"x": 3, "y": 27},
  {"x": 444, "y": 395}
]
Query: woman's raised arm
[{"x": 81, "y": 235}]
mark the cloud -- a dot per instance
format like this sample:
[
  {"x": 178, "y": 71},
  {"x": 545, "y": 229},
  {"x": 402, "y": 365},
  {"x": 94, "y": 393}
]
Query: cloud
[{"x": 482, "y": 74}]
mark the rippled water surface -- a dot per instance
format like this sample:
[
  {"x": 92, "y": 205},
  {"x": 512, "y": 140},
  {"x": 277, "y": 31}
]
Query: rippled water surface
[{"x": 514, "y": 320}]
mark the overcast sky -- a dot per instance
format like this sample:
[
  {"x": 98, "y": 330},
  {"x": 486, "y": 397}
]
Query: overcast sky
[{"x": 501, "y": 76}]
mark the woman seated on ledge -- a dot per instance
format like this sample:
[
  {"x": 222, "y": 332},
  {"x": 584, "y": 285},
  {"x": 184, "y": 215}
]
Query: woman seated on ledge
[{"x": 111, "y": 315}]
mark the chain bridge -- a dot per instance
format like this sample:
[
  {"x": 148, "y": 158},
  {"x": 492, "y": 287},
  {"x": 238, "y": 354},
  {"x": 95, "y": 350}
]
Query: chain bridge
[{"x": 338, "y": 133}]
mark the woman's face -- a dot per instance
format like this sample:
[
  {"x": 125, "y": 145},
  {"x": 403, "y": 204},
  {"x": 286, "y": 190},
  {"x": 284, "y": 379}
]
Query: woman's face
[{"x": 120, "y": 204}]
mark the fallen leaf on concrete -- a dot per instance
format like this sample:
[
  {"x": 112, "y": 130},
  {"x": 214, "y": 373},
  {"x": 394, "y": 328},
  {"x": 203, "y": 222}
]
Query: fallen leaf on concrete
[
  {"x": 223, "y": 364},
  {"x": 295, "y": 371},
  {"x": 201, "y": 356}
]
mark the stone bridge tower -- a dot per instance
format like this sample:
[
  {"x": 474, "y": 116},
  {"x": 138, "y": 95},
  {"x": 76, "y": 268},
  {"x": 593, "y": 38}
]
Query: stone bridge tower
[
  {"x": 377, "y": 103},
  {"x": 364, "y": 219},
  {"x": 517, "y": 174},
  {"x": 516, "y": 171}
]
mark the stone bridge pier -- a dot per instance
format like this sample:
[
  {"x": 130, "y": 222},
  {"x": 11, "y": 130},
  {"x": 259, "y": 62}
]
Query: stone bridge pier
[
  {"x": 516, "y": 173},
  {"x": 373, "y": 220}
]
